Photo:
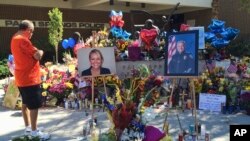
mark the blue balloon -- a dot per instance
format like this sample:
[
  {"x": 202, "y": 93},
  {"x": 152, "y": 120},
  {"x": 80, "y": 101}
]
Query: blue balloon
[
  {"x": 216, "y": 25},
  {"x": 220, "y": 43},
  {"x": 224, "y": 37},
  {"x": 125, "y": 35},
  {"x": 219, "y": 30},
  {"x": 10, "y": 58},
  {"x": 71, "y": 42},
  {"x": 116, "y": 32},
  {"x": 65, "y": 43},
  {"x": 209, "y": 37},
  {"x": 230, "y": 33}
]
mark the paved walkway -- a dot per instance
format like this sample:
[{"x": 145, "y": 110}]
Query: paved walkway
[{"x": 67, "y": 125}]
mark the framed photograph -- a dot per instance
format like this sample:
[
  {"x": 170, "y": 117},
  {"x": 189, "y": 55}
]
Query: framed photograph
[
  {"x": 102, "y": 58},
  {"x": 182, "y": 54}
]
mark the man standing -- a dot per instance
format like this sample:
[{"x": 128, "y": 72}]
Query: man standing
[
  {"x": 27, "y": 76},
  {"x": 181, "y": 62}
]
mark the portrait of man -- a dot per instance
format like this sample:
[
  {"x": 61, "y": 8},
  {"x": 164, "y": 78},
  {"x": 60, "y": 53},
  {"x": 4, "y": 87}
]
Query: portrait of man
[{"x": 182, "y": 58}]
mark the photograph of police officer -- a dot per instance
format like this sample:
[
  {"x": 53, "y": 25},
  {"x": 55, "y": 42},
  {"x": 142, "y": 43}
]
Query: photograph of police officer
[{"x": 182, "y": 62}]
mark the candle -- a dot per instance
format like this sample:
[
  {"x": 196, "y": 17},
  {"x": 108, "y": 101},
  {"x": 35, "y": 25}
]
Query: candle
[
  {"x": 189, "y": 104},
  {"x": 66, "y": 105},
  {"x": 180, "y": 136},
  {"x": 80, "y": 104},
  {"x": 86, "y": 103},
  {"x": 191, "y": 129},
  {"x": 170, "y": 104},
  {"x": 207, "y": 136},
  {"x": 180, "y": 103},
  {"x": 91, "y": 106},
  {"x": 203, "y": 131},
  {"x": 166, "y": 127},
  {"x": 69, "y": 104},
  {"x": 96, "y": 102}
]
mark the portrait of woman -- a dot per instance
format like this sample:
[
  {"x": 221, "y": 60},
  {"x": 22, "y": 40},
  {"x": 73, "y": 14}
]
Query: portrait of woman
[{"x": 95, "y": 60}]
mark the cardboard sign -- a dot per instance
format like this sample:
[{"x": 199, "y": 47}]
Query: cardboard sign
[
  {"x": 223, "y": 64},
  {"x": 211, "y": 102},
  {"x": 11, "y": 96}
]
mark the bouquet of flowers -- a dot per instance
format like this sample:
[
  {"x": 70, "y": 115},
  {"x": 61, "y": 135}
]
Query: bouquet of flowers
[
  {"x": 57, "y": 84},
  {"x": 127, "y": 109}
]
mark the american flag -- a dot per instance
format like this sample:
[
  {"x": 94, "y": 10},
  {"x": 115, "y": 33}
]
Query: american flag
[
  {"x": 232, "y": 68},
  {"x": 171, "y": 47},
  {"x": 77, "y": 80},
  {"x": 210, "y": 65}
]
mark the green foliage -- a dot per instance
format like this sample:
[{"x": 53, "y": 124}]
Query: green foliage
[
  {"x": 245, "y": 4},
  {"x": 239, "y": 48},
  {"x": 4, "y": 70},
  {"x": 26, "y": 138},
  {"x": 55, "y": 29},
  {"x": 110, "y": 136}
]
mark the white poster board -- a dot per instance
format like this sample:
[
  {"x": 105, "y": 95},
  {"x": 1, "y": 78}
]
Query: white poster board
[
  {"x": 223, "y": 64},
  {"x": 201, "y": 35},
  {"x": 211, "y": 102}
]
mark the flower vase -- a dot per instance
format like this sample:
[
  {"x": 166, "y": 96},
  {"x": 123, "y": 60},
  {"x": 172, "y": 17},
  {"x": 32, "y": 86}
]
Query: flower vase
[
  {"x": 118, "y": 133},
  {"x": 230, "y": 109},
  {"x": 224, "y": 109},
  {"x": 60, "y": 101},
  {"x": 95, "y": 133}
]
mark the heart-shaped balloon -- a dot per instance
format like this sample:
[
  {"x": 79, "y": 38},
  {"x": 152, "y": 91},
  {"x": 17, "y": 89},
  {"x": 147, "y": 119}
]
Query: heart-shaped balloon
[{"x": 148, "y": 36}]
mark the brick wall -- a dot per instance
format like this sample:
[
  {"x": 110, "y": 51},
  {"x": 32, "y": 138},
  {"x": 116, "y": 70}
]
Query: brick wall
[{"x": 235, "y": 17}]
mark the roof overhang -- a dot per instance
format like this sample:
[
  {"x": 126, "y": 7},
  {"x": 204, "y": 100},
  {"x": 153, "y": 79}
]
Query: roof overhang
[{"x": 152, "y": 6}]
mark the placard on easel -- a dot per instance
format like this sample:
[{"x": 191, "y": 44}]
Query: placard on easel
[
  {"x": 182, "y": 60},
  {"x": 92, "y": 89}
]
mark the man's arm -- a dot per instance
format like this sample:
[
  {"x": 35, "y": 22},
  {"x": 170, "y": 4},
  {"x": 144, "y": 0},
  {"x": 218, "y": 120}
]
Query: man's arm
[{"x": 38, "y": 55}]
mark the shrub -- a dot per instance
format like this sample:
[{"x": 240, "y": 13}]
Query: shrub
[{"x": 4, "y": 70}]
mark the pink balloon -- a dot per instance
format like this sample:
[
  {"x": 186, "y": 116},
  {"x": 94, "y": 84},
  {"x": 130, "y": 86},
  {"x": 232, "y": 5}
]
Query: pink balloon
[{"x": 78, "y": 46}]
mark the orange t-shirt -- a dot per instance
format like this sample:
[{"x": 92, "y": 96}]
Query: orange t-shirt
[{"x": 27, "y": 68}]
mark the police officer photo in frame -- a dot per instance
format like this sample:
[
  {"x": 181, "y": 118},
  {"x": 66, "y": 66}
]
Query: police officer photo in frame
[{"x": 181, "y": 54}]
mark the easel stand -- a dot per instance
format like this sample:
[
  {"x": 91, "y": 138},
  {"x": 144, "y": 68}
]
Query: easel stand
[
  {"x": 194, "y": 110},
  {"x": 183, "y": 100},
  {"x": 170, "y": 102},
  {"x": 93, "y": 90}
]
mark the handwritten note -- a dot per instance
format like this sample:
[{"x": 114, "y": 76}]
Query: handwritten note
[
  {"x": 224, "y": 64},
  {"x": 211, "y": 102}
]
